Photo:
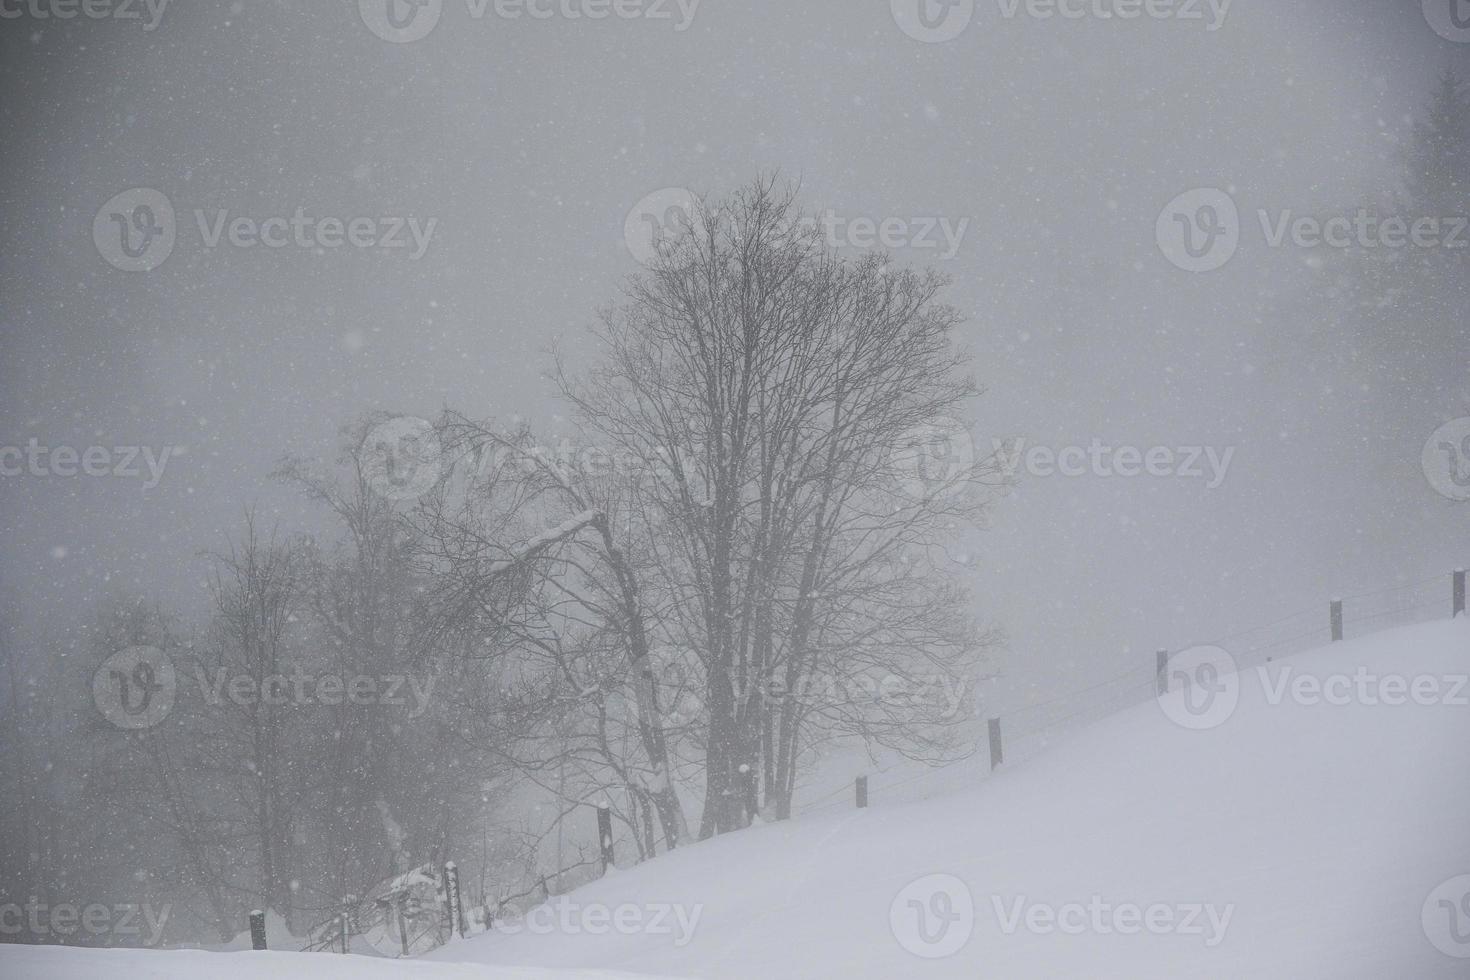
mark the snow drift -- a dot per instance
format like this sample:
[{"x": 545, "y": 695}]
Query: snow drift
[{"x": 1316, "y": 826}]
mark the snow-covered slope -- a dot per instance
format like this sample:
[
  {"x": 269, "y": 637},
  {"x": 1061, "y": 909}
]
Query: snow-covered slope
[
  {"x": 70, "y": 963},
  {"x": 1293, "y": 839}
]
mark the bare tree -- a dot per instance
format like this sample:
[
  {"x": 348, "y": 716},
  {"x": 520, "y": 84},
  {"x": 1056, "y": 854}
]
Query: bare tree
[
  {"x": 257, "y": 590},
  {"x": 398, "y": 787},
  {"x": 771, "y": 391},
  {"x": 529, "y": 556}
]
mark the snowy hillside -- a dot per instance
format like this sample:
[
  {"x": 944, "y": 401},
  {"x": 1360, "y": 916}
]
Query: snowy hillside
[
  {"x": 66, "y": 963},
  {"x": 536, "y": 489},
  {"x": 1301, "y": 833},
  {"x": 1292, "y": 840}
]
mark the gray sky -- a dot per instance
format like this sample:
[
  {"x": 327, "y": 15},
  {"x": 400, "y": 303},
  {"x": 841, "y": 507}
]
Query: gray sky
[{"x": 530, "y": 140}]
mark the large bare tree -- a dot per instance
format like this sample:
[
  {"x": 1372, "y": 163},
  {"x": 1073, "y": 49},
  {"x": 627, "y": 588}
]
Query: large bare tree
[{"x": 782, "y": 402}]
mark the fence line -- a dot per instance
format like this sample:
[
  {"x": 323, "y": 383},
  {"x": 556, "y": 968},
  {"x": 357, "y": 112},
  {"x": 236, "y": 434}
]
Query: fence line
[
  {"x": 1340, "y": 616},
  {"x": 396, "y": 901},
  {"x": 444, "y": 915}
]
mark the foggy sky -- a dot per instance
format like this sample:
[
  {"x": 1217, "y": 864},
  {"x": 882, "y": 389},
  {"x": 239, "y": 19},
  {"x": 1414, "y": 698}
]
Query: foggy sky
[{"x": 529, "y": 141}]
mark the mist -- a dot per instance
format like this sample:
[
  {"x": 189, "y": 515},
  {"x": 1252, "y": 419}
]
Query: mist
[{"x": 368, "y": 224}]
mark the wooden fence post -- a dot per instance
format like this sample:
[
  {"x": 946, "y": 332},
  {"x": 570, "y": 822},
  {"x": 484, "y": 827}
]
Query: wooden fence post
[
  {"x": 997, "y": 751},
  {"x": 862, "y": 792},
  {"x": 451, "y": 894},
  {"x": 402, "y": 920},
  {"x": 1336, "y": 620},
  {"x": 1162, "y": 670},
  {"x": 342, "y": 925},
  {"x": 257, "y": 929},
  {"x": 604, "y": 835},
  {"x": 1459, "y": 589}
]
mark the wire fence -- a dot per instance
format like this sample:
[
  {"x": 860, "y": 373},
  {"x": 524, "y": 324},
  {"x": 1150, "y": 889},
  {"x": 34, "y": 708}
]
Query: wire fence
[
  {"x": 1030, "y": 729},
  {"x": 424, "y": 908}
]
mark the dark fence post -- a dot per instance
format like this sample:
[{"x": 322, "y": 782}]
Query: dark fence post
[
  {"x": 604, "y": 835},
  {"x": 398, "y": 907},
  {"x": 997, "y": 751},
  {"x": 862, "y": 792},
  {"x": 1162, "y": 670},
  {"x": 342, "y": 924},
  {"x": 257, "y": 929},
  {"x": 1459, "y": 601},
  {"x": 451, "y": 893},
  {"x": 1336, "y": 620}
]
